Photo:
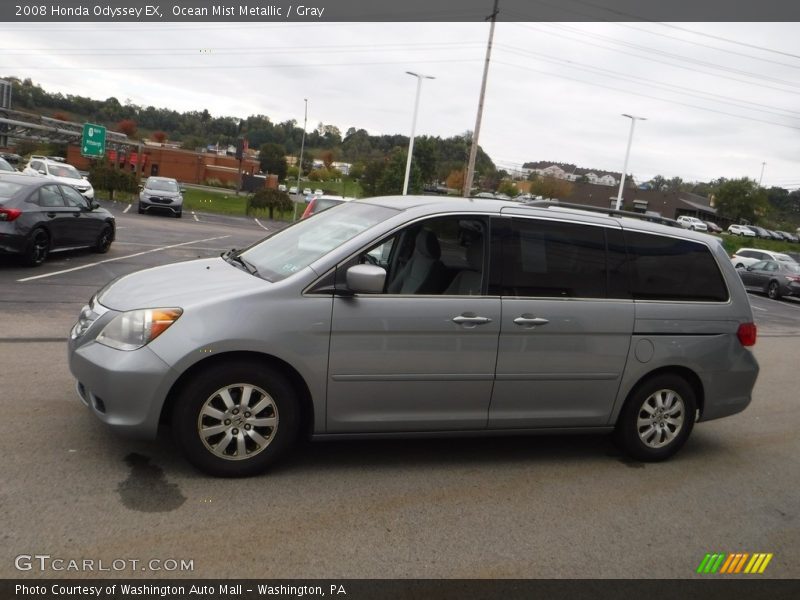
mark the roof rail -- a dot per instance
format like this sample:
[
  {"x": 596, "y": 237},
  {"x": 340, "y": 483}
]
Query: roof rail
[{"x": 606, "y": 211}]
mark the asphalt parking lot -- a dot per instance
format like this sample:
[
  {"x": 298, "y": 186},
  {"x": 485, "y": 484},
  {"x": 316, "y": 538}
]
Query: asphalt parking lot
[{"x": 547, "y": 507}]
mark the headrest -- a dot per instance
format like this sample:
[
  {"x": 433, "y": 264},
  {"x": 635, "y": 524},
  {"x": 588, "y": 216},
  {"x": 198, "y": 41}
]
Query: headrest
[{"x": 428, "y": 245}]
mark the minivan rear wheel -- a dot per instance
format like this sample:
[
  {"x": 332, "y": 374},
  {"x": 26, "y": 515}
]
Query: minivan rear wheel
[
  {"x": 236, "y": 419},
  {"x": 657, "y": 418}
]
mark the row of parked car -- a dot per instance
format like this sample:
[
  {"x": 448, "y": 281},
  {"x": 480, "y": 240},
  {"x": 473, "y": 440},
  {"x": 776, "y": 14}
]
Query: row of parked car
[
  {"x": 775, "y": 274},
  {"x": 754, "y": 231}
]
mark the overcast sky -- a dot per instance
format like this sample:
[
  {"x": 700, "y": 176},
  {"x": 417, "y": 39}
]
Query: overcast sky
[{"x": 555, "y": 91}]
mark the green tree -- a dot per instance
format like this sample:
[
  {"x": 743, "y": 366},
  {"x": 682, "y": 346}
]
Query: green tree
[
  {"x": 373, "y": 172},
  {"x": 272, "y": 158},
  {"x": 269, "y": 199},
  {"x": 391, "y": 181},
  {"x": 103, "y": 176},
  {"x": 741, "y": 200},
  {"x": 508, "y": 188}
]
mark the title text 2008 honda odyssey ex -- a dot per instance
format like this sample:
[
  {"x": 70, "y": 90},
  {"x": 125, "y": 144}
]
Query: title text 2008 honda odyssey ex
[{"x": 424, "y": 316}]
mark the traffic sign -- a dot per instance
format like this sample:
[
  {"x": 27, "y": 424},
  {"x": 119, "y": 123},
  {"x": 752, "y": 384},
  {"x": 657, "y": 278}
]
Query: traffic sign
[{"x": 93, "y": 140}]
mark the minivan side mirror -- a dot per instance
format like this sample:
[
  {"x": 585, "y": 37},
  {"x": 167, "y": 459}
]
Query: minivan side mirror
[{"x": 366, "y": 279}]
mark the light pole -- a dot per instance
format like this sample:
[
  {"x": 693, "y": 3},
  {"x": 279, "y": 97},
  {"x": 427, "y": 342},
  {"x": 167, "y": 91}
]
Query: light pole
[
  {"x": 300, "y": 164},
  {"x": 627, "y": 155},
  {"x": 763, "y": 164},
  {"x": 413, "y": 127}
]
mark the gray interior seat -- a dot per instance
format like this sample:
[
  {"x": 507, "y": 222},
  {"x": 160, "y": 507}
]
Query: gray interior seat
[
  {"x": 467, "y": 282},
  {"x": 423, "y": 273}
]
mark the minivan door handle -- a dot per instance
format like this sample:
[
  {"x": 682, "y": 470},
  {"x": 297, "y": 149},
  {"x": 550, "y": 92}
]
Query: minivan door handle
[
  {"x": 471, "y": 319},
  {"x": 530, "y": 321}
]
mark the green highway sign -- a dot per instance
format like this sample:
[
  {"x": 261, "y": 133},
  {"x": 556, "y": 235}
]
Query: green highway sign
[{"x": 93, "y": 140}]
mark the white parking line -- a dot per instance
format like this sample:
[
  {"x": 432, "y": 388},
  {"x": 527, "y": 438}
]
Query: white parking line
[
  {"x": 758, "y": 308},
  {"x": 260, "y": 225},
  {"x": 127, "y": 208},
  {"x": 195, "y": 217},
  {"x": 108, "y": 260}
]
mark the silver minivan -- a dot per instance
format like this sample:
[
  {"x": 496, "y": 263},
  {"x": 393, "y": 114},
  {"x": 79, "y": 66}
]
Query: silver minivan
[{"x": 424, "y": 316}]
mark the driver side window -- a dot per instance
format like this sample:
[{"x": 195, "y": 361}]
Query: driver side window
[{"x": 440, "y": 256}]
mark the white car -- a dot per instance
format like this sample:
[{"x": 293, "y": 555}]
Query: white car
[
  {"x": 741, "y": 230},
  {"x": 41, "y": 166},
  {"x": 692, "y": 223},
  {"x": 744, "y": 257},
  {"x": 307, "y": 192},
  {"x": 318, "y": 192},
  {"x": 293, "y": 189},
  {"x": 282, "y": 188}
]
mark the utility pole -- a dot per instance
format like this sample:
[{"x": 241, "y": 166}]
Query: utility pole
[
  {"x": 473, "y": 151},
  {"x": 763, "y": 164}
]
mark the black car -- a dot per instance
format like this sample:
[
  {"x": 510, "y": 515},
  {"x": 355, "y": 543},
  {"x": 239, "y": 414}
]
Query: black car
[
  {"x": 39, "y": 215},
  {"x": 772, "y": 277}
]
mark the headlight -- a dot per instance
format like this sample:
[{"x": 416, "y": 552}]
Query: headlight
[{"x": 136, "y": 328}]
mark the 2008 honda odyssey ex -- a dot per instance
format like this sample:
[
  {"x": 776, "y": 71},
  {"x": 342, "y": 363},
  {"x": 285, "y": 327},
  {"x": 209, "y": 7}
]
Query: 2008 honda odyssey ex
[{"x": 424, "y": 316}]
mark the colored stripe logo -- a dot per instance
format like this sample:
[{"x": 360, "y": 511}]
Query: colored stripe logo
[{"x": 734, "y": 564}]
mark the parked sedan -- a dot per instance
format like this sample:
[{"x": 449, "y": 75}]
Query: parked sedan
[
  {"x": 744, "y": 257},
  {"x": 38, "y": 215},
  {"x": 760, "y": 232},
  {"x": 713, "y": 227},
  {"x": 789, "y": 237},
  {"x": 772, "y": 277}
]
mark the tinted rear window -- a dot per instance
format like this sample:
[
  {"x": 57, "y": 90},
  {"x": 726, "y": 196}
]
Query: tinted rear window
[{"x": 665, "y": 268}]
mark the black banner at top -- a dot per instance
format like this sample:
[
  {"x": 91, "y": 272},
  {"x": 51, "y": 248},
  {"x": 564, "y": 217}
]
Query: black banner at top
[{"x": 239, "y": 11}]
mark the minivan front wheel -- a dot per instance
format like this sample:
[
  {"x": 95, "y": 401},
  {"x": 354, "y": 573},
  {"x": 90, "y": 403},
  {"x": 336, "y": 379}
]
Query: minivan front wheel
[
  {"x": 657, "y": 418},
  {"x": 236, "y": 419}
]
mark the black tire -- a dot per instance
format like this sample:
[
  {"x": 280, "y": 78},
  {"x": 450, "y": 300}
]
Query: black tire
[
  {"x": 103, "y": 243},
  {"x": 635, "y": 440},
  {"x": 178, "y": 214},
  {"x": 774, "y": 290},
  {"x": 38, "y": 248},
  {"x": 740, "y": 266},
  {"x": 141, "y": 210},
  {"x": 202, "y": 392}
]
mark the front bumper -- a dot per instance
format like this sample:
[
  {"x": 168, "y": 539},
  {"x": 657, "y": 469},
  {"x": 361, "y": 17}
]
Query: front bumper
[
  {"x": 125, "y": 390},
  {"x": 173, "y": 205}
]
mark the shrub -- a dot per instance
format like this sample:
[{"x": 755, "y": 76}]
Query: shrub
[
  {"x": 269, "y": 199},
  {"x": 104, "y": 176}
]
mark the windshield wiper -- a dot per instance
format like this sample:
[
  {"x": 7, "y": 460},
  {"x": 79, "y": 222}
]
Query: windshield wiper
[{"x": 248, "y": 266}]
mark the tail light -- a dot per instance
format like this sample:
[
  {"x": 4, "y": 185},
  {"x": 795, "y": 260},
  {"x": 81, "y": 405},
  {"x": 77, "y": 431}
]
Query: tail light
[
  {"x": 309, "y": 209},
  {"x": 9, "y": 214},
  {"x": 795, "y": 278},
  {"x": 747, "y": 334}
]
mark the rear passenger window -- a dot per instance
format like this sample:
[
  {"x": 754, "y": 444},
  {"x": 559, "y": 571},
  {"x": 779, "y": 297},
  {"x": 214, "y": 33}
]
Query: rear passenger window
[
  {"x": 665, "y": 268},
  {"x": 554, "y": 260}
]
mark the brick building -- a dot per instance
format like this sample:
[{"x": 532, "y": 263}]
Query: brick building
[{"x": 184, "y": 165}]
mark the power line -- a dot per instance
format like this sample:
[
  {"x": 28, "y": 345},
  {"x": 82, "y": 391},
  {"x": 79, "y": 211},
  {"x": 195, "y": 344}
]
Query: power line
[
  {"x": 617, "y": 89},
  {"x": 643, "y": 80},
  {"x": 684, "y": 67}
]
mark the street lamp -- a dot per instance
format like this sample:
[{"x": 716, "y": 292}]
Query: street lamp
[
  {"x": 627, "y": 155},
  {"x": 300, "y": 164},
  {"x": 413, "y": 127}
]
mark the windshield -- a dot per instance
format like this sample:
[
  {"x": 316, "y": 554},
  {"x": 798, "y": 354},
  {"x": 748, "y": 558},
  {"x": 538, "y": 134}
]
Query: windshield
[
  {"x": 299, "y": 245},
  {"x": 162, "y": 185},
  {"x": 4, "y": 166},
  {"x": 67, "y": 171}
]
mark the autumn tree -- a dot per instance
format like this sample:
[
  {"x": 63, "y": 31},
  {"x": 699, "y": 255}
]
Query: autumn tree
[
  {"x": 327, "y": 158},
  {"x": 160, "y": 137},
  {"x": 127, "y": 126},
  {"x": 551, "y": 187},
  {"x": 60, "y": 116},
  {"x": 455, "y": 180}
]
